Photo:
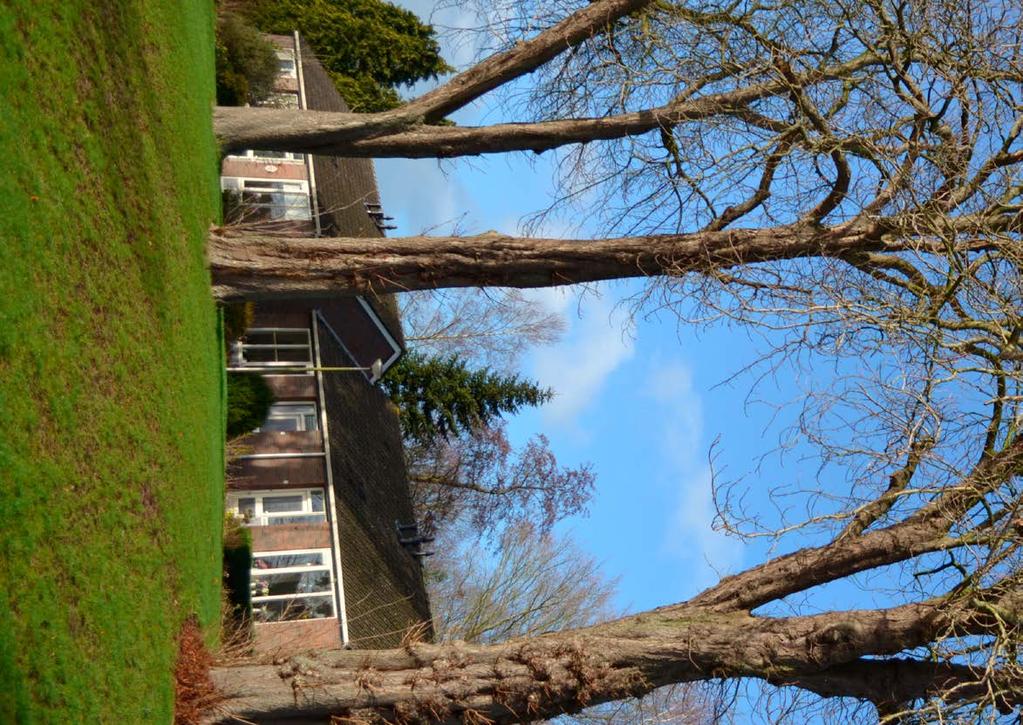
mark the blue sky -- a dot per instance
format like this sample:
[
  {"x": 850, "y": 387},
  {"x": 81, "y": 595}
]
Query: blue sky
[{"x": 644, "y": 403}]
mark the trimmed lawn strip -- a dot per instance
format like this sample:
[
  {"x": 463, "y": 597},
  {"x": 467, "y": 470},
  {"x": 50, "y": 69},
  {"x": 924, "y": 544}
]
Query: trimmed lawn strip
[{"x": 111, "y": 437}]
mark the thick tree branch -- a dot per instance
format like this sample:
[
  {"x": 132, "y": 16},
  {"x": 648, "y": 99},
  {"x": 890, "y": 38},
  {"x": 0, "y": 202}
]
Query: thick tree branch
[
  {"x": 402, "y": 133},
  {"x": 901, "y": 680},
  {"x": 923, "y": 532},
  {"x": 240, "y": 128},
  {"x": 529, "y": 679},
  {"x": 523, "y": 58}
]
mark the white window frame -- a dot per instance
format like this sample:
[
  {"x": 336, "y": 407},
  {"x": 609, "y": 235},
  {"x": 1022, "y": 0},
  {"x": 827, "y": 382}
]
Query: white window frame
[
  {"x": 327, "y": 566},
  {"x": 271, "y": 364},
  {"x": 263, "y": 518},
  {"x": 299, "y": 410}
]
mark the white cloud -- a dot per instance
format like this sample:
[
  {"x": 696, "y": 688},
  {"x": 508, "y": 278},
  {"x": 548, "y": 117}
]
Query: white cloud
[
  {"x": 593, "y": 348},
  {"x": 690, "y": 536},
  {"x": 420, "y": 195}
]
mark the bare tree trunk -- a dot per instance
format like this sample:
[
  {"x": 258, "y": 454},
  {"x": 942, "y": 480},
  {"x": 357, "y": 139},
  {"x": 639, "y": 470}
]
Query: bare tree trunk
[
  {"x": 255, "y": 266},
  {"x": 239, "y": 128},
  {"x": 542, "y": 677},
  {"x": 405, "y": 132}
]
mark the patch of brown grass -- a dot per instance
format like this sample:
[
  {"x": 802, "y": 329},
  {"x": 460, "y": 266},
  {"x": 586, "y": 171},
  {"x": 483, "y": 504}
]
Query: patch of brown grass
[{"x": 194, "y": 692}]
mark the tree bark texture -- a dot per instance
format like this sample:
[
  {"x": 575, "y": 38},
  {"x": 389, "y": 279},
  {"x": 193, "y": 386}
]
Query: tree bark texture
[
  {"x": 256, "y": 266},
  {"x": 405, "y": 132},
  {"x": 241, "y": 128},
  {"x": 529, "y": 679}
]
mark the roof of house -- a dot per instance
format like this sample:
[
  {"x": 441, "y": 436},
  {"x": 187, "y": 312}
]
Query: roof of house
[
  {"x": 344, "y": 186},
  {"x": 383, "y": 581}
]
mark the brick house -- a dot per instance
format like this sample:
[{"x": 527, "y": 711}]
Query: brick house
[{"x": 322, "y": 483}]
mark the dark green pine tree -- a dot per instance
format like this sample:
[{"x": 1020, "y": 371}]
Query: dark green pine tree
[
  {"x": 367, "y": 46},
  {"x": 441, "y": 396}
]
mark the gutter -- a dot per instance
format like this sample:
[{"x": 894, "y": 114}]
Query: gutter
[
  {"x": 303, "y": 104},
  {"x": 335, "y": 541}
]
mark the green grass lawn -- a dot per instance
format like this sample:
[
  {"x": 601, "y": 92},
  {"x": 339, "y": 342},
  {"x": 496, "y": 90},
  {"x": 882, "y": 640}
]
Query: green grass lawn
[{"x": 111, "y": 433}]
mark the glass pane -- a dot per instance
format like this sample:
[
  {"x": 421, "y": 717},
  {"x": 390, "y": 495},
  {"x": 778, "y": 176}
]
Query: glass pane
[
  {"x": 267, "y": 185},
  {"x": 255, "y": 337},
  {"x": 317, "y": 497},
  {"x": 293, "y": 337},
  {"x": 273, "y": 504},
  {"x": 298, "y": 608},
  {"x": 311, "y": 423},
  {"x": 291, "y": 408},
  {"x": 282, "y": 560},
  {"x": 258, "y": 354},
  {"x": 280, "y": 424},
  {"x": 298, "y": 210},
  {"x": 306, "y": 582},
  {"x": 300, "y": 354},
  {"x": 247, "y": 507}
]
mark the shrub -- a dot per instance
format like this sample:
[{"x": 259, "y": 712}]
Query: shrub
[
  {"x": 238, "y": 318},
  {"x": 248, "y": 400},
  {"x": 246, "y": 63},
  {"x": 237, "y": 576}
]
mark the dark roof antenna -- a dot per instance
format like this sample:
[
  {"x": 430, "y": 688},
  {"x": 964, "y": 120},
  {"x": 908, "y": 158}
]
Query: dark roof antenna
[
  {"x": 412, "y": 540},
  {"x": 376, "y": 213}
]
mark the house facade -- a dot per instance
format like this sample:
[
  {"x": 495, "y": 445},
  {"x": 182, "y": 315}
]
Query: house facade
[{"x": 322, "y": 483}]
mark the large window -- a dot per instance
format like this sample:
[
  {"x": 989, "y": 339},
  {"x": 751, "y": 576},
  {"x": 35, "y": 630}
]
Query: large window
[
  {"x": 271, "y": 347},
  {"x": 289, "y": 585},
  {"x": 271, "y": 508},
  {"x": 277, "y": 200},
  {"x": 269, "y": 199}
]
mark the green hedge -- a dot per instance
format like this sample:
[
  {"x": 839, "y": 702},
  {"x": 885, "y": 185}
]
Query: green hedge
[{"x": 248, "y": 400}]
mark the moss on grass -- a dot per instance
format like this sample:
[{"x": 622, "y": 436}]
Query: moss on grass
[{"x": 111, "y": 433}]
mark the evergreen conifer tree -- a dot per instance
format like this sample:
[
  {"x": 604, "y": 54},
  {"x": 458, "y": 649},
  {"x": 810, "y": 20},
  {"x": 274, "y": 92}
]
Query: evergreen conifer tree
[
  {"x": 367, "y": 46},
  {"x": 442, "y": 396}
]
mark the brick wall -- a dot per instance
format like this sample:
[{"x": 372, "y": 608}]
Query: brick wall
[
  {"x": 288, "y": 638},
  {"x": 292, "y": 387},
  {"x": 255, "y": 473},
  {"x": 279, "y": 441},
  {"x": 283, "y": 169},
  {"x": 286, "y": 537}
]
